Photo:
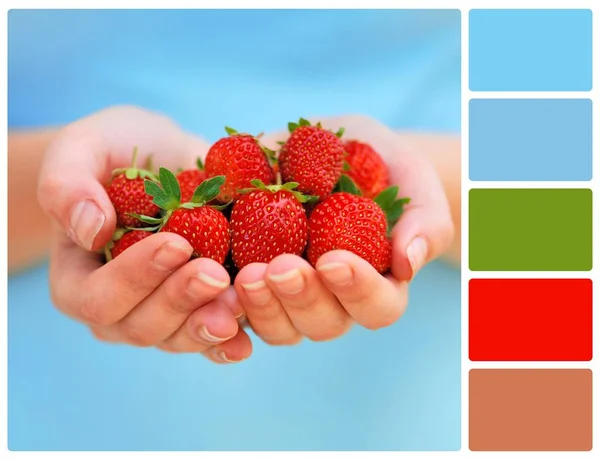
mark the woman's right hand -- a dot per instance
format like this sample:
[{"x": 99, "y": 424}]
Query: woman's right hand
[{"x": 150, "y": 295}]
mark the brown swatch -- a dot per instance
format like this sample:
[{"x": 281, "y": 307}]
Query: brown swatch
[{"x": 530, "y": 410}]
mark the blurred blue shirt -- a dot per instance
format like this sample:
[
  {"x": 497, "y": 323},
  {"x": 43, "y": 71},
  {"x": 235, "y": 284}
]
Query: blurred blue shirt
[{"x": 394, "y": 389}]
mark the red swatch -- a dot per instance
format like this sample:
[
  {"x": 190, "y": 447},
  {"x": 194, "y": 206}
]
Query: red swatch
[{"x": 530, "y": 320}]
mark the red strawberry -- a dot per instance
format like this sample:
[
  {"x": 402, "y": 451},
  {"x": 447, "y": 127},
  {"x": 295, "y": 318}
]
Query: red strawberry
[
  {"x": 266, "y": 222},
  {"x": 366, "y": 168},
  {"x": 126, "y": 240},
  {"x": 240, "y": 158},
  {"x": 190, "y": 179},
  {"x": 203, "y": 226},
  {"x": 126, "y": 192},
  {"x": 357, "y": 224},
  {"x": 313, "y": 157}
]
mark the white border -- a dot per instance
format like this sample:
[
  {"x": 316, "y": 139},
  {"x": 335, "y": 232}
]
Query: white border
[{"x": 466, "y": 95}]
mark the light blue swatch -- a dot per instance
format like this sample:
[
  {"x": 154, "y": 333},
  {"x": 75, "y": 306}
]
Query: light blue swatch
[
  {"x": 530, "y": 50},
  {"x": 530, "y": 139}
]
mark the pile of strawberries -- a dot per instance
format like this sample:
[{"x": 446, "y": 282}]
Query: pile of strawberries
[{"x": 247, "y": 203}]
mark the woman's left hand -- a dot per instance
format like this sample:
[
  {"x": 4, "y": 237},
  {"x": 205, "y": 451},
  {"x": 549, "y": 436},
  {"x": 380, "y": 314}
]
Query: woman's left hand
[{"x": 288, "y": 299}]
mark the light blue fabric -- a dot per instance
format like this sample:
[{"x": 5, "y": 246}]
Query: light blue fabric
[{"x": 397, "y": 388}]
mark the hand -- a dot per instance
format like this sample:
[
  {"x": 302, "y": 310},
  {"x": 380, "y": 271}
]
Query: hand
[
  {"x": 287, "y": 299},
  {"x": 150, "y": 295}
]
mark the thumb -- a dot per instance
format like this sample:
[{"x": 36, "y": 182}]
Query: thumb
[
  {"x": 425, "y": 229},
  {"x": 70, "y": 188}
]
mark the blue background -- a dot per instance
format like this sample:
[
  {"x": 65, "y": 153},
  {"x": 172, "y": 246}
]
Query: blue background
[
  {"x": 530, "y": 139},
  {"x": 530, "y": 50},
  {"x": 397, "y": 388}
]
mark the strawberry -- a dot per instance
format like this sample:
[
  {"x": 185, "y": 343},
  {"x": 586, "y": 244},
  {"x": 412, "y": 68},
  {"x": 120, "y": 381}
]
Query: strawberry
[
  {"x": 126, "y": 192},
  {"x": 190, "y": 179},
  {"x": 313, "y": 157},
  {"x": 355, "y": 223},
  {"x": 202, "y": 225},
  {"x": 122, "y": 240},
  {"x": 240, "y": 158},
  {"x": 366, "y": 168},
  {"x": 268, "y": 221}
]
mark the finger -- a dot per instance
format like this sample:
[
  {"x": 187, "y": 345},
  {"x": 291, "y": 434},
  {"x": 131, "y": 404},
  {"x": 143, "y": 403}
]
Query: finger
[
  {"x": 83, "y": 155},
  {"x": 372, "y": 300},
  {"x": 425, "y": 229},
  {"x": 163, "y": 312},
  {"x": 234, "y": 350},
  {"x": 264, "y": 312},
  {"x": 313, "y": 309},
  {"x": 108, "y": 293},
  {"x": 70, "y": 187},
  {"x": 209, "y": 325}
]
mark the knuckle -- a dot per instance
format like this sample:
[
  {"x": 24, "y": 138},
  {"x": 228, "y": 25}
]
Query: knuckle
[
  {"x": 294, "y": 339},
  {"x": 267, "y": 313},
  {"x": 137, "y": 337},
  {"x": 93, "y": 312},
  {"x": 48, "y": 189},
  {"x": 332, "y": 332}
]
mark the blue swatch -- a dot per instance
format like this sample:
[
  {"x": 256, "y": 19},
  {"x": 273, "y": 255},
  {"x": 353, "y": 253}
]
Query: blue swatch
[
  {"x": 530, "y": 50},
  {"x": 530, "y": 140}
]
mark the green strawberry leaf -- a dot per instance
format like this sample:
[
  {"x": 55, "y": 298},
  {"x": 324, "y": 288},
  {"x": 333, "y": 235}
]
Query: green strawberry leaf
[
  {"x": 145, "y": 229},
  {"x": 392, "y": 207},
  {"x": 259, "y": 184},
  {"x": 386, "y": 197},
  {"x": 131, "y": 173},
  {"x": 292, "y": 126},
  {"x": 305, "y": 198},
  {"x": 208, "y": 190},
  {"x": 346, "y": 167},
  {"x": 340, "y": 133},
  {"x": 169, "y": 183},
  {"x": 159, "y": 197},
  {"x": 290, "y": 185},
  {"x": 230, "y": 131},
  {"x": 271, "y": 154},
  {"x": 304, "y": 122},
  {"x": 281, "y": 143},
  {"x": 118, "y": 234},
  {"x": 346, "y": 184},
  {"x": 145, "y": 219},
  {"x": 199, "y": 164}
]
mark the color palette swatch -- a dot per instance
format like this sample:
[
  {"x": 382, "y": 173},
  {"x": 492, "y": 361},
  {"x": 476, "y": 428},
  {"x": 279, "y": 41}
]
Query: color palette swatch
[
  {"x": 536, "y": 307},
  {"x": 514, "y": 229},
  {"x": 530, "y": 409},
  {"x": 530, "y": 319}
]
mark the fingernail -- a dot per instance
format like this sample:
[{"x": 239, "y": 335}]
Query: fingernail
[
  {"x": 221, "y": 356},
  {"x": 198, "y": 285},
  {"x": 258, "y": 292},
  {"x": 208, "y": 337},
  {"x": 214, "y": 282},
  {"x": 416, "y": 253},
  {"x": 291, "y": 282},
  {"x": 336, "y": 273},
  {"x": 86, "y": 221},
  {"x": 170, "y": 255}
]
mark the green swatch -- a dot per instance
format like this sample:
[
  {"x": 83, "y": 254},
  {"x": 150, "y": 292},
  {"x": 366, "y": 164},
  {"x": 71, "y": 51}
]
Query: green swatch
[{"x": 530, "y": 229}]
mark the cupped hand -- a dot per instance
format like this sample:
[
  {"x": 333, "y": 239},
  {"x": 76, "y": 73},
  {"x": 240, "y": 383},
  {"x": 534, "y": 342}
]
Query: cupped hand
[
  {"x": 288, "y": 299},
  {"x": 150, "y": 295}
]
